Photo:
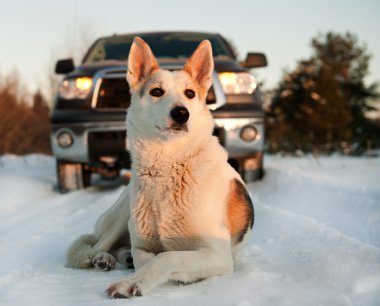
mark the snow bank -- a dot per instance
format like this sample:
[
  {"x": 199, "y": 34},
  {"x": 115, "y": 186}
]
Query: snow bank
[
  {"x": 342, "y": 192},
  {"x": 315, "y": 240}
]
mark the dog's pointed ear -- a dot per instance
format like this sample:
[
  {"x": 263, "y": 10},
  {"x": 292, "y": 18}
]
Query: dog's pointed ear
[
  {"x": 201, "y": 65},
  {"x": 141, "y": 63}
]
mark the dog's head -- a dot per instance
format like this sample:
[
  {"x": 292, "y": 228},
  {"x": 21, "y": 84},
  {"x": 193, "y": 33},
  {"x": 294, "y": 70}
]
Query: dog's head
[{"x": 167, "y": 105}]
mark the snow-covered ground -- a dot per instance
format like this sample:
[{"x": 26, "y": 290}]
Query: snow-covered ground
[{"x": 316, "y": 239}]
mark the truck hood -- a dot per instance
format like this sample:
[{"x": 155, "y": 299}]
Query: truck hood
[{"x": 221, "y": 65}]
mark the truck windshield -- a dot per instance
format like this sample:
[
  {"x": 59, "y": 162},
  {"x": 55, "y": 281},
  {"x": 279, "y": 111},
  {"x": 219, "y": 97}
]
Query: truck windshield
[{"x": 163, "y": 45}]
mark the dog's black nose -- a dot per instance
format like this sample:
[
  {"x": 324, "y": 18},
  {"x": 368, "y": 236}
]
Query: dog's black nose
[{"x": 180, "y": 114}]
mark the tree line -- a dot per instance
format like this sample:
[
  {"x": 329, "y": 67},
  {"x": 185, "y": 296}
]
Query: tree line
[
  {"x": 24, "y": 123},
  {"x": 320, "y": 106}
]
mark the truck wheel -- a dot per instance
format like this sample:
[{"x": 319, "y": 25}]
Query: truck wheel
[
  {"x": 250, "y": 169},
  {"x": 72, "y": 176},
  {"x": 253, "y": 168}
]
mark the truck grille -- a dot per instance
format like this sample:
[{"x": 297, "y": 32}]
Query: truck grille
[{"x": 114, "y": 93}]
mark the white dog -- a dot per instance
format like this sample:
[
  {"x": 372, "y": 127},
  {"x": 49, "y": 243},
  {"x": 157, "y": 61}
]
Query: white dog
[{"x": 186, "y": 209}]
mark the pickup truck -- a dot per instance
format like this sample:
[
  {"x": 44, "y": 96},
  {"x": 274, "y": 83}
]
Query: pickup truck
[{"x": 88, "y": 133}]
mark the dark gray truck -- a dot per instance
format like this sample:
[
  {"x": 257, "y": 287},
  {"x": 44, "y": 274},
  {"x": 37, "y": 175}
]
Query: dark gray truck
[{"x": 88, "y": 132}]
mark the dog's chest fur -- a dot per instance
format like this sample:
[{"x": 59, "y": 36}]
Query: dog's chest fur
[{"x": 165, "y": 196}]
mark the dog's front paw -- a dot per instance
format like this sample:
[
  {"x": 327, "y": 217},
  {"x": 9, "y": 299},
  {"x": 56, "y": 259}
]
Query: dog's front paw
[
  {"x": 104, "y": 261},
  {"x": 123, "y": 289}
]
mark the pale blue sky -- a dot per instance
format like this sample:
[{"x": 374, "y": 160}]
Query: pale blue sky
[{"x": 35, "y": 33}]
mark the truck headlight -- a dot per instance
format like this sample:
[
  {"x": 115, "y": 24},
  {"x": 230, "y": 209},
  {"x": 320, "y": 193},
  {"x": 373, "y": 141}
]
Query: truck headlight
[
  {"x": 78, "y": 88},
  {"x": 237, "y": 82}
]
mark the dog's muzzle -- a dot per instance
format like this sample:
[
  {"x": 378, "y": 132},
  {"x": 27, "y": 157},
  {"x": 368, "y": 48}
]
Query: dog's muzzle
[{"x": 180, "y": 115}]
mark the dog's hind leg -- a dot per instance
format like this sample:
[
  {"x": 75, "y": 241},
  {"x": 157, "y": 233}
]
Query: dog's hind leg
[{"x": 111, "y": 234}]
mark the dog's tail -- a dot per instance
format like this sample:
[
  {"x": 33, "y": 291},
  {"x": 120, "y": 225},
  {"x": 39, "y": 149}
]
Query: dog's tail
[{"x": 81, "y": 252}]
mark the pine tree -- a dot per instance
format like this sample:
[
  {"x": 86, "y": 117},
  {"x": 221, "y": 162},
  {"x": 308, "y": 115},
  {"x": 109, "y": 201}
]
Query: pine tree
[{"x": 321, "y": 105}]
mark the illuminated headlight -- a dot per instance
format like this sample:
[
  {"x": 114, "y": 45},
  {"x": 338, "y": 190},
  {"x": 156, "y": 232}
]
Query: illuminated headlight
[
  {"x": 237, "y": 83},
  {"x": 64, "y": 139},
  {"x": 78, "y": 88},
  {"x": 248, "y": 133}
]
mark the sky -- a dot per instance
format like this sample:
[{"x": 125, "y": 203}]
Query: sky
[{"x": 36, "y": 33}]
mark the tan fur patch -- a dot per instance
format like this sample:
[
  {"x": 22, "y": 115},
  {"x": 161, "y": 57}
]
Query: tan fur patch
[{"x": 240, "y": 212}]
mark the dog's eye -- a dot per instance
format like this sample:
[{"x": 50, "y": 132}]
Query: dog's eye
[
  {"x": 189, "y": 93},
  {"x": 157, "y": 92}
]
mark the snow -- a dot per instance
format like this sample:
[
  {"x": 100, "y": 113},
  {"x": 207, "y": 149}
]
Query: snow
[{"x": 316, "y": 238}]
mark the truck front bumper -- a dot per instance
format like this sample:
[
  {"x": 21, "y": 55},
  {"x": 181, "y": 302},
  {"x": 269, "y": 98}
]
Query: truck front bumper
[
  {"x": 89, "y": 136},
  {"x": 86, "y": 138}
]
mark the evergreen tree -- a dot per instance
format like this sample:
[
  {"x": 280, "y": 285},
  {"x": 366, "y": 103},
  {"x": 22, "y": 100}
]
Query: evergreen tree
[{"x": 321, "y": 105}]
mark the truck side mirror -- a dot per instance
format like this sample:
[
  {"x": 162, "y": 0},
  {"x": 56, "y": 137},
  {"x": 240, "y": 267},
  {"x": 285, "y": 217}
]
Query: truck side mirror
[
  {"x": 64, "y": 66},
  {"x": 255, "y": 60}
]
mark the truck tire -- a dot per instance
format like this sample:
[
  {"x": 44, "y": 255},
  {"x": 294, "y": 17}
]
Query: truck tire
[
  {"x": 250, "y": 169},
  {"x": 253, "y": 169},
  {"x": 72, "y": 176}
]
